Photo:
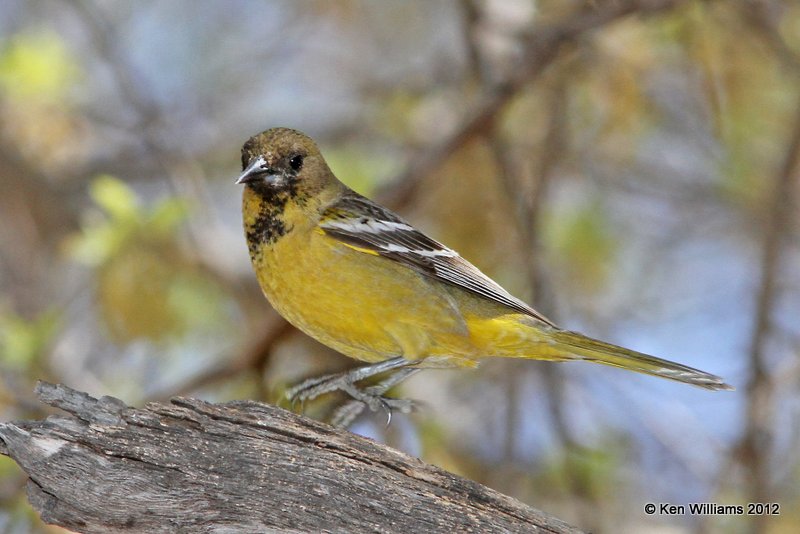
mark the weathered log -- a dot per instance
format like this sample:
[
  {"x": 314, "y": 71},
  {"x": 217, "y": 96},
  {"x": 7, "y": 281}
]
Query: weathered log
[{"x": 193, "y": 466}]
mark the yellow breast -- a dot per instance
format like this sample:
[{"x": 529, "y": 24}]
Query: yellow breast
[
  {"x": 366, "y": 306},
  {"x": 362, "y": 305}
]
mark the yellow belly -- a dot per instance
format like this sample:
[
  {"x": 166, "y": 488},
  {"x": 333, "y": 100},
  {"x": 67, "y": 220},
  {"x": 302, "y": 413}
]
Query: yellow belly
[{"x": 360, "y": 304}]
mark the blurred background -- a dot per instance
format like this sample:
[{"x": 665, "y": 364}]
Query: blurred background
[{"x": 630, "y": 167}]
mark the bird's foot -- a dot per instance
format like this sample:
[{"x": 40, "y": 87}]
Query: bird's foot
[{"x": 371, "y": 396}]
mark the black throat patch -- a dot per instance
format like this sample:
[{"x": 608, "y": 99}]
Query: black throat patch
[{"x": 269, "y": 224}]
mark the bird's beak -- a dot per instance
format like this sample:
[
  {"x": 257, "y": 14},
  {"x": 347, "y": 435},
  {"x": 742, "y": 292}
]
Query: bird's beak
[{"x": 256, "y": 169}]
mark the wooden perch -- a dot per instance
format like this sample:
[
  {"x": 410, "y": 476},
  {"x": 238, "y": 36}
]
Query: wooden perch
[{"x": 192, "y": 466}]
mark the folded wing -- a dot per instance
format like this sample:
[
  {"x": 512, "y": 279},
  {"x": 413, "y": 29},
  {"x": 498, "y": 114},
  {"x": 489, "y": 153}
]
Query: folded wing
[{"x": 358, "y": 222}]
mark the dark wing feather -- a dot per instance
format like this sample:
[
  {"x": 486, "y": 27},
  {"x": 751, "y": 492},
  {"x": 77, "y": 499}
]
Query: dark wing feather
[{"x": 357, "y": 221}]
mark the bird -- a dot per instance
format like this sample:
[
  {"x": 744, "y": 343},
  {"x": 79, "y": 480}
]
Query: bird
[{"x": 362, "y": 280}]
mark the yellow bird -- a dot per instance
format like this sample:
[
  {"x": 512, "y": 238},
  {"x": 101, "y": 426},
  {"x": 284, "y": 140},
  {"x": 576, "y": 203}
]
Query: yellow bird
[{"x": 363, "y": 281}]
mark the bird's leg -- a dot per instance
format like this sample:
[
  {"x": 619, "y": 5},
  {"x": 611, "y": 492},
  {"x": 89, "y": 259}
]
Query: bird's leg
[
  {"x": 370, "y": 396},
  {"x": 314, "y": 387},
  {"x": 346, "y": 413}
]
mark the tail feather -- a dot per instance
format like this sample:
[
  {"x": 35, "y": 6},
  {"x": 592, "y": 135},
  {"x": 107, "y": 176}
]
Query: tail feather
[{"x": 593, "y": 350}]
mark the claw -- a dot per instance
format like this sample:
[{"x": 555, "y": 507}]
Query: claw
[
  {"x": 387, "y": 409},
  {"x": 294, "y": 400}
]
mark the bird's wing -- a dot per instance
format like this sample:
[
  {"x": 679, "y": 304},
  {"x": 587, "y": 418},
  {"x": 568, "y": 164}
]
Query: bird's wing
[{"x": 363, "y": 225}]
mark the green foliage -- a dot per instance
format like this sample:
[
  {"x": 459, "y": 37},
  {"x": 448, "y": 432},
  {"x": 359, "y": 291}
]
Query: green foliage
[
  {"x": 588, "y": 471},
  {"x": 123, "y": 222},
  {"x": 584, "y": 246},
  {"x": 359, "y": 169},
  {"x": 438, "y": 450},
  {"x": 145, "y": 288},
  {"x": 36, "y": 65},
  {"x": 23, "y": 342},
  {"x": 734, "y": 73}
]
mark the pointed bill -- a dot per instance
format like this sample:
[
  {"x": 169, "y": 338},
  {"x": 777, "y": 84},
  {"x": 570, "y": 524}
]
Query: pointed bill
[{"x": 254, "y": 169}]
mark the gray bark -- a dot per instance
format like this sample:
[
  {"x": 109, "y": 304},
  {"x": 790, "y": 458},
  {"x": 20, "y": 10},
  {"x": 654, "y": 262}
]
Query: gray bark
[{"x": 192, "y": 466}]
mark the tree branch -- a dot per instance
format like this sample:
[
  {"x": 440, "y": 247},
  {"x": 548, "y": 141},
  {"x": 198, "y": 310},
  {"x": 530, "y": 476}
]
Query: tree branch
[
  {"x": 192, "y": 466},
  {"x": 756, "y": 446},
  {"x": 540, "y": 50}
]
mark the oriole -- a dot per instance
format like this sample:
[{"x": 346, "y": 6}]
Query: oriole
[{"x": 362, "y": 280}]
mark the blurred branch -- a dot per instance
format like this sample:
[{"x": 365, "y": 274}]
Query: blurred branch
[
  {"x": 480, "y": 72},
  {"x": 192, "y": 466},
  {"x": 757, "y": 442},
  {"x": 527, "y": 215},
  {"x": 256, "y": 358},
  {"x": 161, "y": 147},
  {"x": 34, "y": 218},
  {"x": 756, "y": 446},
  {"x": 541, "y": 49},
  {"x": 106, "y": 40},
  {"x": 763, "y": 16},
  {"x": 529, "y": 208}
]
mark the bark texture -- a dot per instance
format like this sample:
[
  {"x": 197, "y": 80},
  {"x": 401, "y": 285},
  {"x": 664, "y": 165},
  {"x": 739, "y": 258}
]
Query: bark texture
[{"x": 193, "y": 466}]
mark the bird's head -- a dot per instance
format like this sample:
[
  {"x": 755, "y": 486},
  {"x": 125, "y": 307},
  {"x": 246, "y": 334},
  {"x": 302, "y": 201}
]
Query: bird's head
[{"x": 281, "y": 159}]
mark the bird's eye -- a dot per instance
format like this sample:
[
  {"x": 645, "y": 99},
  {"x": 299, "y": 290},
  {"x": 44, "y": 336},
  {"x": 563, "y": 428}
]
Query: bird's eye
[{"x": 296, "y": 162}]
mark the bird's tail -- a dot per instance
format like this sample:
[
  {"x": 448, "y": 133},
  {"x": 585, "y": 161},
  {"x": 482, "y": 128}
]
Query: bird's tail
[{"x": 580, "y": 347}]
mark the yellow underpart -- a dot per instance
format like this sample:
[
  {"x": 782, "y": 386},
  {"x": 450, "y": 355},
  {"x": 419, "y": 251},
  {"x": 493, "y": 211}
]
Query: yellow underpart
[{"x": 373, "y": 308}]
